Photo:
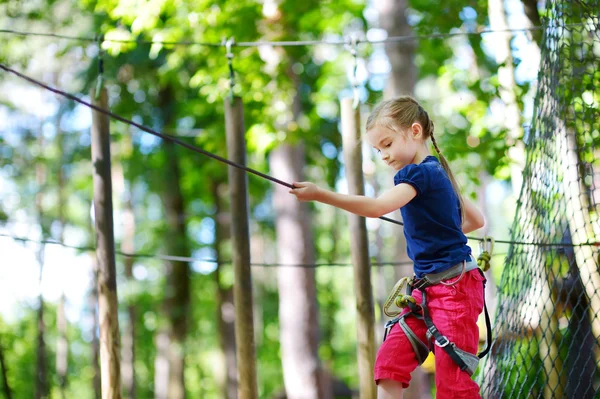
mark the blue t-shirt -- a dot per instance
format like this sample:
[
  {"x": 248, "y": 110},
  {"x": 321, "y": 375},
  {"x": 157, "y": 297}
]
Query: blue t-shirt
[{"x": 432, "y": 221}]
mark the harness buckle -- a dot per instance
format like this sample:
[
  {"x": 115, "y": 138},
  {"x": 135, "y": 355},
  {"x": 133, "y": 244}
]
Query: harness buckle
[{"x": 443, "y": 344}]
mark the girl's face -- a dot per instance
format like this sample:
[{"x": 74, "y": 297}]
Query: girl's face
[{"x": 397, "y": 149}]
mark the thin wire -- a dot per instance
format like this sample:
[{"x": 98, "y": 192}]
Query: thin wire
[
  {"x": 192, "y": 259},
  {"x": 93, "y": 39},
  {"x": 290, "y": 43}
]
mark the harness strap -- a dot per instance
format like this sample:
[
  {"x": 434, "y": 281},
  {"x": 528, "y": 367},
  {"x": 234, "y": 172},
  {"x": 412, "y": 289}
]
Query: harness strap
[
  {"x": 459, "y": 269},
  {"x": 441, "y": 340},
  {"x": 466, "y": 361},
  {"x": 420, "y": 348},
  {"x": 488, "y": 323}
]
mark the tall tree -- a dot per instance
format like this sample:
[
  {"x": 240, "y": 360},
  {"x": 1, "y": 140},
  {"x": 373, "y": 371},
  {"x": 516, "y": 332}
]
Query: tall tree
[
  {"x": 62, "y": 347},
  {"x": 297, "y": 291},
  {"x": 533, "y": 14},
  {"x": 293, "y": 71},
  {"x": 92, "y": 303},
  {"x": 105, "y": 250},
  {"x": 123, "y": 190},
  {"x": 225, "y": 310},
  {"x": 507, "y": 90},
  {"x": 42, "y": 384},
  {"x": 5, "y": 385},
  {"x": 62, "y": 344},
  {"x": 177, "y": 290},
  {"x": 403, "y": 73}
]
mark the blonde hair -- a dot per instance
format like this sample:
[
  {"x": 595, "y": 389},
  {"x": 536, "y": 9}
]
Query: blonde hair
[{"x": 402, "y": 112}]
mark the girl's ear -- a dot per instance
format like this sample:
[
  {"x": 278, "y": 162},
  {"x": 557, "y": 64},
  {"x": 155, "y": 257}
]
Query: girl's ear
[{"x": 416, "y": 130}]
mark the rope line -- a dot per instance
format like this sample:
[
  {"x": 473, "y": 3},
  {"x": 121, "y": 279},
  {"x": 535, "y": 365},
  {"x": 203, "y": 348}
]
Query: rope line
[
  {"x": 231, "y": 163},
  {"x": 146, "y": 129},
  {"x": 284, "y": 43}
]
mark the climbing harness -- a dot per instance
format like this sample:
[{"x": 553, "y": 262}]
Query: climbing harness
[{"x": 397, "y": 301}]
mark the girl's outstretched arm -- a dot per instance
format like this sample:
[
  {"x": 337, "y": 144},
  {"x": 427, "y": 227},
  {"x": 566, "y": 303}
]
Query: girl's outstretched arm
[{"x": 391, "y": 200}]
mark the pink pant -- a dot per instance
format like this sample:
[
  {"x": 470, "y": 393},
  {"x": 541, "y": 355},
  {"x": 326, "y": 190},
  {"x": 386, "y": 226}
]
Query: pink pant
[{"x": 454, "y": 311}]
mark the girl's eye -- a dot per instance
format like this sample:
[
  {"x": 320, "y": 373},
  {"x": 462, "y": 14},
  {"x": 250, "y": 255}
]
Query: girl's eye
[
  {"x": 388, "y": 144},
  {"x": 378, "y": 151}
]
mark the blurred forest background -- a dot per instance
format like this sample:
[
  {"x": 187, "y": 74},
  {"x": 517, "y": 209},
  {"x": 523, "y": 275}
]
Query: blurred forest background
[{"x": 478, "y": 88}]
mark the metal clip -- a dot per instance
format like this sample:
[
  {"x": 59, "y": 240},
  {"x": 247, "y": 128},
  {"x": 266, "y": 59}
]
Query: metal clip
[
  {"x": 228, "y": 43},
  {"x": 487, "y": 244},
  {"x": 486, "y": 247},
  {"x": 443, "y": 344},
  {"x": 390, "y": 302},
  {"x": 353, "y": 42}
]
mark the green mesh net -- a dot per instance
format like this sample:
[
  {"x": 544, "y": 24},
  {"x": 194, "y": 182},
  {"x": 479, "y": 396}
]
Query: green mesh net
[{"x": 547, "y": 326}]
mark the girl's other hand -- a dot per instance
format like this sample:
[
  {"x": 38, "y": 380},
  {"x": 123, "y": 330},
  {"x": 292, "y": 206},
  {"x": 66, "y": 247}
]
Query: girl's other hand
[{"x": 305, "y": 191}]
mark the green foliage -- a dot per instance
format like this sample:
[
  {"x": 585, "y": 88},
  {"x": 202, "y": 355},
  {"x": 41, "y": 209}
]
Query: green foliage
[
  {"x": 524, "y": 357},
  {"x": 290, "y": 94},
  {"x": 20, "y": 355}
]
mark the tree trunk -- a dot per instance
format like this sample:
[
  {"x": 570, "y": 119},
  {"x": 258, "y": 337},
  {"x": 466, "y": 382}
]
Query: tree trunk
[
  {"x": 128, "y": 351},
  {"x": 5, "y": 385},
  {"x": 62, "y": 344},
  {"x": 105, "y": 252},
  {"x": 507, "y": 90},
  {"x": 240, "y": 242},
  {"x": 177, "y": 291},
  {"x": 42, "y": 388},
  {"x": 127, "y": 246},
  {"x": 161, "y": 364},
  {"x": 62, "y": 347},
  {"x": 225, "y": 309},
  {"x": 42, "y": 382},
  {"x": 549, "y": 341},
  {"x": 532, "y": 13},
  {"x": 580, "y": 363},
  {"x": 580, "y": 225},
  {"x": 178, "y": 282},
  {"x": 92, "y": 303},
  {"x": 365, "y": 317},
  {"x": 403, "y": 75},
  {"x": 297, "y": 288}
]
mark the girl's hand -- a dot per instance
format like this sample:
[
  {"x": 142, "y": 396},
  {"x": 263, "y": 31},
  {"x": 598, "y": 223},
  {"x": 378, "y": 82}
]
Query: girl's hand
[{"x": 305, "y": 191}]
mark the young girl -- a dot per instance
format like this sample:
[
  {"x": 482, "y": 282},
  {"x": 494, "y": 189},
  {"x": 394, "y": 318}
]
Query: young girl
[{"x": 436, "y": 219}]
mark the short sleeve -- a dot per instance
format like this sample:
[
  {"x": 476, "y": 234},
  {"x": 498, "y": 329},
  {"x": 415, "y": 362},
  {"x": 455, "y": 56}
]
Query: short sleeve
[{"x": 415, "y": 175}]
